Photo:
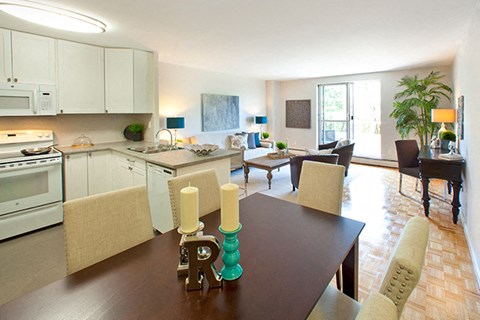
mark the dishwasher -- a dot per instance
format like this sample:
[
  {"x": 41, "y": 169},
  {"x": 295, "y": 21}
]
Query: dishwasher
[{"x": 158, "y": 196}]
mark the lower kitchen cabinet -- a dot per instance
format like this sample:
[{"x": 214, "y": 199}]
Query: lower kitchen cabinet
[
  {"x": 128, "y": 172},
  {"x": 87, "y": 173}
]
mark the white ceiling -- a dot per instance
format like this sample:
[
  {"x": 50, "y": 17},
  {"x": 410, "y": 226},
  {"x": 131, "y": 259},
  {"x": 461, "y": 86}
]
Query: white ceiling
[{"x": 277, "y": 39}]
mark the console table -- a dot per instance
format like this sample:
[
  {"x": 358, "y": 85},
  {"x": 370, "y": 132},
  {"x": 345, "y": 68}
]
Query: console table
[{"x": 432, "y": 166}]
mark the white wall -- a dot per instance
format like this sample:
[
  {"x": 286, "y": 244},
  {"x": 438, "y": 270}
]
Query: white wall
[
  {"x": 466, "y": 74},
  {"x": 180, "y": 90},
  {"x": 307, "y": 89}
]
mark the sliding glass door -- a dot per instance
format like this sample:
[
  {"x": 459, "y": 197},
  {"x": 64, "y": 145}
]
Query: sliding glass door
[{"x": 335, "y": 112}]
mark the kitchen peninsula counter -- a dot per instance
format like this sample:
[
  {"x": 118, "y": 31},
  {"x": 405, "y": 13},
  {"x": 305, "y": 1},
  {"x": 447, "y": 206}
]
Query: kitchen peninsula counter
[{"x": 174, "y": 159}]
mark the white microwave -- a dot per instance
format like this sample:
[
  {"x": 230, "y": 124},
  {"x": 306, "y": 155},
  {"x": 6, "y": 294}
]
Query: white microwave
[{"x": 27, "y": 100}]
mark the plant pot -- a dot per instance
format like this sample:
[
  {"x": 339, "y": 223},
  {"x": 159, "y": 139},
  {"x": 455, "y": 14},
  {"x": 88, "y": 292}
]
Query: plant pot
[{"x": 134, "y": 136}]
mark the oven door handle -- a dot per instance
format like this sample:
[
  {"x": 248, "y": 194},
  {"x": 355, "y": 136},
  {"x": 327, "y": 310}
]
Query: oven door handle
[{"x": 26, "y": 166}]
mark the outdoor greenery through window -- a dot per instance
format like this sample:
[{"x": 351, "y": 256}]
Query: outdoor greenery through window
[{"x": 352, "y": 111}]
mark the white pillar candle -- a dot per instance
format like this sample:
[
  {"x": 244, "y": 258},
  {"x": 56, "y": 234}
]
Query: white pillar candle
[
  {"x": 229, "y": 207},
  {"x": 189, "y": 209}
]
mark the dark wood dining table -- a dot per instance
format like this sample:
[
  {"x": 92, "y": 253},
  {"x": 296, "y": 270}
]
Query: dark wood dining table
[{"x": 289, "y": 254}]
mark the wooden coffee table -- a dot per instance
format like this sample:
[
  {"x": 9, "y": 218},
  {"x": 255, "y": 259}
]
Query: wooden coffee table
[{"x": 264, "y": 163}]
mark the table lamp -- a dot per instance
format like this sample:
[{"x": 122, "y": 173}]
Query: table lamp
[
  {"x": 261, "y": 120},
  {"x": 176, "y": 123},
  {"x": 443, "y": 115}
]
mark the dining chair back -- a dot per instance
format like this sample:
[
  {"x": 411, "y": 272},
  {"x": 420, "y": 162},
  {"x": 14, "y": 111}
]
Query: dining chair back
[
  {"x": 407, "y": 156},
  {"x": 100, "y": 226},
  {"x": 208, "y": 192},
  {"x": 321, "y": 186},
  {"x": 297, "y": 161},
  {"x": 406, "y": 262},
  {"x": 403, "y": 272}
]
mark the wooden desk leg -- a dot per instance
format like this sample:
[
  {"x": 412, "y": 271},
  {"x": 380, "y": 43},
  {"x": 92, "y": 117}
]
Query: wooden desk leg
[
  {"x": 269, "y": 177},
  {"x": 350, "y": 272},
  {"x": 425, "y": 197},
  {"x": 246, "y": 170},
  {"x": 456, "y": 200}
]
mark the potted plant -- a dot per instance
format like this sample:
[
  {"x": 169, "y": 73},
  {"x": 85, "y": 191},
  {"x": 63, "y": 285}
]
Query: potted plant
[
  {"x": 281, "y": 146},
  {"x": 448, "y": 139},
  {"x": 412, "y": 106},
  {"x": 265, "y": 135},
  {"x": 134, "y": 132}
]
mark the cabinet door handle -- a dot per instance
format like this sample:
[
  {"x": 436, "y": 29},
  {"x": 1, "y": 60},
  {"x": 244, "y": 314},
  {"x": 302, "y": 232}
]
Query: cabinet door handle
[
  {"x": 9, "y": 79},
  {"x": 68, "y": 157},
  {"x": 15, "y": 80},
  {"x": 130, "y": 168}
]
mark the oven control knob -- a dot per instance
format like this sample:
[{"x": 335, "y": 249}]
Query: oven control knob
[
  {"x": 40, "y": 135},
  {"x": 47, "y": 135}
]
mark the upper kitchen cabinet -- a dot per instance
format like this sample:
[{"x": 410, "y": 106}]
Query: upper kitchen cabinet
[
  {"x": 27, "y": 58},
  {"x": 80, "y": 78},
  {"x": 129, "y": 81}
]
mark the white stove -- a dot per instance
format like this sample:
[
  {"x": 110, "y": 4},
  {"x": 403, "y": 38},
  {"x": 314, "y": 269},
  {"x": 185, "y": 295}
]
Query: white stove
[{"x": 30, "y": 186}]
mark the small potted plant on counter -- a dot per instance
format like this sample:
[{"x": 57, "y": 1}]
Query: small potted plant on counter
[{"x": 134, "y": 132}]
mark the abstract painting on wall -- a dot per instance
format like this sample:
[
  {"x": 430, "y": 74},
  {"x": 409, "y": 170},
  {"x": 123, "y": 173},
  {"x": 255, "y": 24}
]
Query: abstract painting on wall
[
  {"x": 298, "y": 114},
  {"x": 460, "y": 117},
  {"x": 220, "y": 112}
]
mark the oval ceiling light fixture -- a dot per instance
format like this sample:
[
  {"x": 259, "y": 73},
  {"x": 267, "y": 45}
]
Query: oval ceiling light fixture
[{"x": 52, "y": 17}]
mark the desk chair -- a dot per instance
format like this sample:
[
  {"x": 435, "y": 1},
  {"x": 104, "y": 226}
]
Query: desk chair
[
  {"x": 321, "y": 188},
  {"x": 407, "y": 155},
  {"x": 403, "y": 272},
  {"x": 208, "y": 192},
  {"x": 100, "y": 226}
]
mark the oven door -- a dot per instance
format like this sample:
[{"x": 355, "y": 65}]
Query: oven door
[{"x": 33, "y": 186}]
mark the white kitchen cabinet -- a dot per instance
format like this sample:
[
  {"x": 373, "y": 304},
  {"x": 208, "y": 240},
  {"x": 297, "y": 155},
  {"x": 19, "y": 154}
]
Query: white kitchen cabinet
[
  {"x": 128, "y": 171},
  {"x": 27, "y": 58},
  {"x": 80, "y": 78},
  {"x": 129, "y": 81},
  {"x": 144, "y": 82},
  {"x": 75, "y": 178},
  {"x": 87, "y": 173}
]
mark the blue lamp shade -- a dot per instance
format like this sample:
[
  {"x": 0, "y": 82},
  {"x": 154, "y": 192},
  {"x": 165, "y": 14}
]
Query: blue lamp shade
[
  {"x": 176, "y": 123},
  {"x": 261, "y": 119}
]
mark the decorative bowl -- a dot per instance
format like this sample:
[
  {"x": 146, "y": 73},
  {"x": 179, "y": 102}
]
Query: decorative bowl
[{"x": 201, "y": 149}]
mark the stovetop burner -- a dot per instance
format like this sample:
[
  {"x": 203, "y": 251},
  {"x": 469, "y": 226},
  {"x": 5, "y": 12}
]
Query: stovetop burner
[{"x": 12, "y": 141}]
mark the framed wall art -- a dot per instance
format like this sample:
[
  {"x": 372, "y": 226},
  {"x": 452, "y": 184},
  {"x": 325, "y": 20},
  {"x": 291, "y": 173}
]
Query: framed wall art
[
  {"x": 220, "y": 112},
  {"x": 460, "y": 117},
  {"x": 298, "y": 114}
]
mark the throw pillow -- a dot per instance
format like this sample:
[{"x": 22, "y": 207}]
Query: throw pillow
[
  {"x": 257, "y": 140},
  {"x": 318, "y": 152},
  {"x": 251, "y": 140},
  {"x": 236, "y": 142},
  {"x": 244, "y": 136},
  {"x": 342, "y": 142}
]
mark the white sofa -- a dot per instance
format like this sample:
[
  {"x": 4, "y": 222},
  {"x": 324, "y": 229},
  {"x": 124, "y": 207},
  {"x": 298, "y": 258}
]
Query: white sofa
[{"x": 223, "y": 141}]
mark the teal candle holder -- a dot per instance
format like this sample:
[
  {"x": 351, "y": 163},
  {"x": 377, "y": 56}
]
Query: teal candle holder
[{"x": 231, "y": 269}]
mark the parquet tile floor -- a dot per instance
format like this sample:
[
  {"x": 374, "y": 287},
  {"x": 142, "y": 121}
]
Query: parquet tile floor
[{"x": 448, "y": 288}]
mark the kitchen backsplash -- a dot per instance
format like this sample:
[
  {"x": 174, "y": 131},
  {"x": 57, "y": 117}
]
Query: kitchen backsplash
[{"x": 99, "y": 127}]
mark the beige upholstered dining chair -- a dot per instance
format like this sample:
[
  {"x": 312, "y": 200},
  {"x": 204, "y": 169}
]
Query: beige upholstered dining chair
[
  {"x": 100, "y": 226},
  {"x": 208, "y": 192},
  {"x": 403, "y": 273},
  {"x": 321, "y": 186}
]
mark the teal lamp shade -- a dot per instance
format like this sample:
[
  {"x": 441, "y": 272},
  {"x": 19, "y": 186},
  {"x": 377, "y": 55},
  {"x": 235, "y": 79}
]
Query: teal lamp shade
[
  {"x": 176, "y": 123},
  {"x": 260, "y": 119}
]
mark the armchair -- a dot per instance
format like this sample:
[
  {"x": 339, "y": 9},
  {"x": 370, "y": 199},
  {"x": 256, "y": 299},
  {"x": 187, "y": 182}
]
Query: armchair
[
  {"x": 296, "y": 165},
  {"x": 345, "y": 152}
]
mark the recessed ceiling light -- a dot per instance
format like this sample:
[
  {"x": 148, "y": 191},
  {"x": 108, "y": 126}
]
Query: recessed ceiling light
[{"x": 52, "y": 17}]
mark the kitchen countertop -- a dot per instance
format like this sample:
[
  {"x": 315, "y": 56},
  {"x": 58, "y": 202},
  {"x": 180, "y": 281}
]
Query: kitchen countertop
[{"x": 171, "y": 159}]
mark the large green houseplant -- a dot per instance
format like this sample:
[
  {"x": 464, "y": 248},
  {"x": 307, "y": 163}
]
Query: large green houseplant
[{"x": 412, "y": 106}]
